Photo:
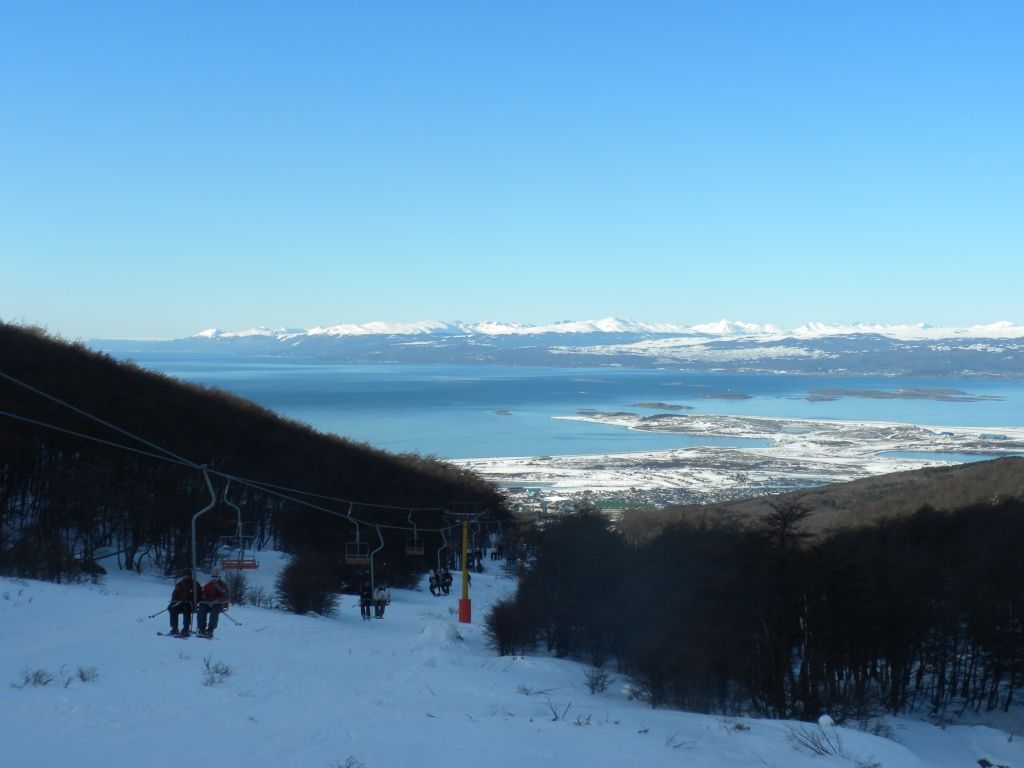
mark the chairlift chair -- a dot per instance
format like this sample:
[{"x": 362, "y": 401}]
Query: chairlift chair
[
  {"x": 414, "y": 545},
  {"x": 356, "y": 552},
  {"x": 239, "y": 542}
]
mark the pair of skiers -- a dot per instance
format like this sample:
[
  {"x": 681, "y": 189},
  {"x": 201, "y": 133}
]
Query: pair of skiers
[
  {"x": 440, "y": 584},
  {"x": 213, "y": 599},
  {"x": 373, "y": 598}
]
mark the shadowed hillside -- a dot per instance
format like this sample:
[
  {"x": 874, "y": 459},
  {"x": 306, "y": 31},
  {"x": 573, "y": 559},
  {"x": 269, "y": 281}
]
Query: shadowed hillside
[
  {"x": 70, "y": 484},
  {"x": 863, "y": 501}
]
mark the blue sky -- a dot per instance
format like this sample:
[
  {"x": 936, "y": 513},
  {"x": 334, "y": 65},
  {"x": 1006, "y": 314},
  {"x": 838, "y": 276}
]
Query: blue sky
[{"x": 167, "y": 167}]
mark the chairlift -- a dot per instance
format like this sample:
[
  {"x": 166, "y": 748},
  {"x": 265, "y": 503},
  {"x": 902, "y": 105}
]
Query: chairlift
[
  {"x": 442, "y": 548},
  {"x": 414, "y": 545},
  {"x": 356, "y": 552},
  {"x": 239, "y": 560}
]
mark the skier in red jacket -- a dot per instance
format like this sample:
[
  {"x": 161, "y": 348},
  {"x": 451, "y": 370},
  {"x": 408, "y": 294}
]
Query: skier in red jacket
[{"x": 215, "y": 599}]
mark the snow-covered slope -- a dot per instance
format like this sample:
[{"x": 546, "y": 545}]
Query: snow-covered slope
[{"x": 416, "y": 688}]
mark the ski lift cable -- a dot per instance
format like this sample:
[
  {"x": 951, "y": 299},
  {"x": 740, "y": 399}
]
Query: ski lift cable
[
  {"x": 170, "y": 456},
  {"x": 326, "y": 510},
  {"x": 257, "y": 485},
  {"x": 93, "y": 438},
  {"x": 97, "y": 419},
  {"x": 264, "y": 485},
  {"x": 174, "y": 456}
]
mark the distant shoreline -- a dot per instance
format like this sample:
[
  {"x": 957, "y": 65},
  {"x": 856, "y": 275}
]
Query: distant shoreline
[{"x": 802, "y": 453}]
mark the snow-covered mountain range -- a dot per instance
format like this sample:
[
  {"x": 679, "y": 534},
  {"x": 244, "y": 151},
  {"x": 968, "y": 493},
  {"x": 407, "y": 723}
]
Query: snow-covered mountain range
[
  {"x": 993, "y": 350},
  {"x": 615, "y": 325}
]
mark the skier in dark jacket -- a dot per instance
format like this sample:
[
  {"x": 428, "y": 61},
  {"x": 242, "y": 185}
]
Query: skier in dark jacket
[
  {"x": 365, "y": 599},
  {"x": 183, "y": 603}
]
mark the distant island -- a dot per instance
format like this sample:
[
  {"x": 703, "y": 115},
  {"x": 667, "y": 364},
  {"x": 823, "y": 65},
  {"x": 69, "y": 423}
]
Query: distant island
[
  {"x": 664, "y": 406},
  {"x": 944, "y": 394}
]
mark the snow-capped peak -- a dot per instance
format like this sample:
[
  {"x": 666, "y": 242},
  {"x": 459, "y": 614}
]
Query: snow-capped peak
[
  {"x": 736, "y": 328},
  {"x": 1002, "y": 329},
  {"x": 379, "y": 328}
]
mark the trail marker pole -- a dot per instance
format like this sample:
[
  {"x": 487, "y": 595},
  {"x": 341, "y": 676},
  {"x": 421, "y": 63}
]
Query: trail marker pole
[{"x": 465, "y": 604}]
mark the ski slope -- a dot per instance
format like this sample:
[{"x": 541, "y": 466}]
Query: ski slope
[{"x": 416, "y": 688}]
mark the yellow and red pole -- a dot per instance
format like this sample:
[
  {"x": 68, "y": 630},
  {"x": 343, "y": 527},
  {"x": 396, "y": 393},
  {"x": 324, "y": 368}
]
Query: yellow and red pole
[{"x": 465, "y": 605}]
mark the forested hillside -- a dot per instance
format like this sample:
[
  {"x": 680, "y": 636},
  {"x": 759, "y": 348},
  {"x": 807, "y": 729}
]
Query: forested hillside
[
  {"x": 918, "y": 613},
  {"x": 858, "y": 502},
  {"x": 118, "y": 463}
]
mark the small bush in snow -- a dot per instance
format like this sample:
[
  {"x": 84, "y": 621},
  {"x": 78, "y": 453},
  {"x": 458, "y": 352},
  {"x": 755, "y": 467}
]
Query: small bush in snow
[
  {"x": 216, "y": 671},
  {"x": 88, "y": 674},
  {"x": 825, "y": 741},
  {"x": 33, "y": 679},
  {"x": 597, "y": 680},
  {"x": 238, "y": 587},
  {"x": 259, "y": 597},
  {"x": 309, "y": 583}
]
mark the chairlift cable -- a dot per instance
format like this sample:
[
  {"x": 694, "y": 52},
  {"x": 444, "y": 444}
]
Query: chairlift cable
[
  {"x": 97, "y": 419},
  {"x": 169, "y": 456}
]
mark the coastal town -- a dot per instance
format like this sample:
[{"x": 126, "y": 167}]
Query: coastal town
[{"x": 800, "y": 453}]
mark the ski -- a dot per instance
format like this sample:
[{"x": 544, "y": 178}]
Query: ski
[{"x": 171, "y": 634}]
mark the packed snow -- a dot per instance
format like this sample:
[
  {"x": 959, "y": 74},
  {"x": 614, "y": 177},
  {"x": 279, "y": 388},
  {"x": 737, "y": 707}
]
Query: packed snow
[{"x": 90, "y": 683}]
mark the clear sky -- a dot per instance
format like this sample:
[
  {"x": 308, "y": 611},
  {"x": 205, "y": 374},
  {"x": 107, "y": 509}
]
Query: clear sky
[{"x": 167, "y": 167}]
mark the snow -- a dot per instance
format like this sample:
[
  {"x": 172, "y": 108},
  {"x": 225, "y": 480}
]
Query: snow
[
  {"x": 737, "y": 328},
  {"x": 681, "y": 335},
  {"x": 416, "y": 688},
  {"x": 605, "y": 325},
  {"x": 797, "y": 451},
  {"x": 1003, "y": 329},
  {"x": 380, "y": 328}
]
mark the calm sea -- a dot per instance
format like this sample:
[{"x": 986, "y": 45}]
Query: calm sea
[{"x": 474, "y": 411}]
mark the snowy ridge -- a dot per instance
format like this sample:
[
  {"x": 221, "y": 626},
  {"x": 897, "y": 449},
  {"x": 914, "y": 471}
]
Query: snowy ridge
[
  {"x": 919, "y": 349},
  {"x": 723, "y": 329}
]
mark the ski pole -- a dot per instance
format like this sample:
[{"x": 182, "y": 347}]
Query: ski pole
[
  {"x": 159, "y": 612},
  {"x": 236, "y": 623}
]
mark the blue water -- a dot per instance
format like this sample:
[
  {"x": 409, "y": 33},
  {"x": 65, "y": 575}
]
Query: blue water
[
  {"x": 465, "y": 411},
  {"x": 959, "y": 458}
]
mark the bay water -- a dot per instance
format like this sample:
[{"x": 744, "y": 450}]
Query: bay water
[{"x": 476, "y": 411}]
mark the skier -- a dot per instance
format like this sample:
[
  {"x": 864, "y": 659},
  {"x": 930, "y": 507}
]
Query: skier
[
  {"x": 365, "y": 599},
  {"x": 433, "y": 583},
  {"x": 214, "y": 601},
  {"x": 183, "y": 603},
  {"x": 446, "y": 581},
  {"x": 381, "y": 598}
]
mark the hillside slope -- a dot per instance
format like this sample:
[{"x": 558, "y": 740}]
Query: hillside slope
[
  {"x": 118, "y": 461},
  {"x": 862, "y": 501},
  {"x": 414, "y": 689}
]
